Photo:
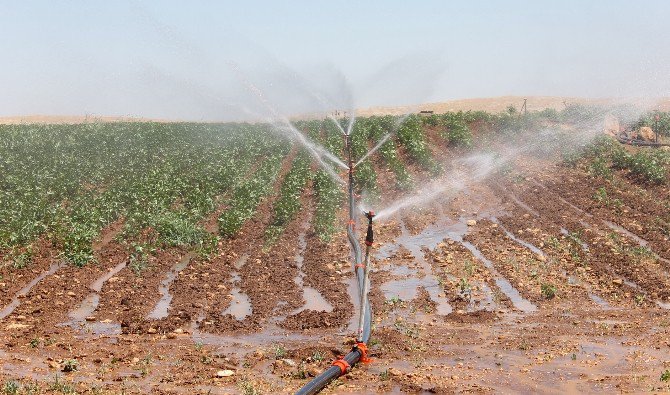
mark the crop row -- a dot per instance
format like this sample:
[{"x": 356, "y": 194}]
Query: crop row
[
  {"x": 412, "y": 136},
  {"x": 364, "y": 174},
  {"x": 329, "y": 194},
  {"x": 67, "y": 182},
  {"x": 380, "y": 126},
  {"x": 288, "y": 204},
  {"x": 646, "y": 166}
]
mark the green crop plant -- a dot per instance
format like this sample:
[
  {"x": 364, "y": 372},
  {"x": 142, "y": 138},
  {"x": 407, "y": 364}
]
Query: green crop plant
[
  {"x": 412, "y": 136},
  {"x": 456, "y": 130},
  {"x": 548, "y": 291},
  {"x": 380, "y": 126},
  {"x": 288, "y": 203},
  {"x": 365, "y": 176},
  {"x": 67, "y": 182},
  {"x": 70, "y": 365},
  {"x": 329, "y": 194},
  {"x": 59, "y": 386},
  {"x": 249, "y": 194},
  {"x": 11, "y": 387},
  {"x": 649, "y": 167}
]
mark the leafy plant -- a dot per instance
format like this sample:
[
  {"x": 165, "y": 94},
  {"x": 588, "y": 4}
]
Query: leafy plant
[
  {"x": 548, "y": 291},
  {"x": 70, "y": 365},
  {"x": 11, "y": 387}
]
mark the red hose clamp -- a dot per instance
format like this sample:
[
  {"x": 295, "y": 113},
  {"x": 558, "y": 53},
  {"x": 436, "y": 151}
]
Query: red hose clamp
[
  {"x": 341, "y": 363},
  {"x": 364, "y": 352},
  {"x": 361, "y": 265}
]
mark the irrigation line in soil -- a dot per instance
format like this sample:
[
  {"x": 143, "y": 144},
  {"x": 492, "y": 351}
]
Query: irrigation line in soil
[{"x": 358, "y": 352}]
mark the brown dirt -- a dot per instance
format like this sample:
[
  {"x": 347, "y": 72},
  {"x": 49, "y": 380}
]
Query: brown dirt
[{"x": 596, "y": 333}]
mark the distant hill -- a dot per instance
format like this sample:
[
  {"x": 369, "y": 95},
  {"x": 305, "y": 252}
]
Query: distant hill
[{"x": 488, "y": 104}]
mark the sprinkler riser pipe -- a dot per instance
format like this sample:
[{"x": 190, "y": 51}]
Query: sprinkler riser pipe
[{"x": 365, "y": 313}]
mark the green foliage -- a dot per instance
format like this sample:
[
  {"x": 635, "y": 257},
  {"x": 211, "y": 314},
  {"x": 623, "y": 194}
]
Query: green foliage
[
  {"x": 665, "y": 376},
  {"x": 364, "y": 175},
  {"x": 659, "y": 121},
  {"x": 380, "y": 126},
  {"x": 280, "y": 352},
  {"x": 248, "y": 195},
  {"x": 21, "y": 259},
  {"x": 648, "y": 166},
  {"x": 288, "y": 203},
  {"x": 599, "y": 167},
  {"x": 457, "y": 132},
  {"x": 58, "y": 386},
  {"x": 329, "y": 194},
  {"x": 175, "y": 229},
  {"x": 67, "y": 182},
  {"x": 548, "y": 291},
  {"x": 11, "y": 387},
  {"x": 329, "y": 199},
  {"x": 139, "y": 259},
  {"x": 70, "y": 365},
  {"x": 412, "y": 136}
]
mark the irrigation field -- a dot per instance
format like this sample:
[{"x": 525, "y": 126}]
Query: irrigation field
[{"x": 533, "y": 255}]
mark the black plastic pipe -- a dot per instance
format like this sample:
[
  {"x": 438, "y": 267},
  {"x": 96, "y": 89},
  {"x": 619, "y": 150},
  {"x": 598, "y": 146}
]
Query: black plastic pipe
[{"x": 330, "y": 374}]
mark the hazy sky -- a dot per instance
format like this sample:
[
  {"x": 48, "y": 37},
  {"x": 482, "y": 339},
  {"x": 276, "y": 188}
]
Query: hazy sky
[{"x": 227, "y": 59}]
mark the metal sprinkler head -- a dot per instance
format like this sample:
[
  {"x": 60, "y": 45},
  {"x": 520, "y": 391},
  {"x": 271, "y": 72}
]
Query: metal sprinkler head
[
  {"x": 369, "y": 215},
  {"x": 369, "y": 237}
]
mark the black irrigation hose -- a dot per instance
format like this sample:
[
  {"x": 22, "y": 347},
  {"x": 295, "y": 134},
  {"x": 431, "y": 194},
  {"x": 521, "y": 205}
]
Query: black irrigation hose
[
  {"x": 330, "y": 374},
  {"x": 356, "y": 353}
]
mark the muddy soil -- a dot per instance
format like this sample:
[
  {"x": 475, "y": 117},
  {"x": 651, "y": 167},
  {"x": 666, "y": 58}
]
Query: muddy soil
[{"x": 524, "y": 284}]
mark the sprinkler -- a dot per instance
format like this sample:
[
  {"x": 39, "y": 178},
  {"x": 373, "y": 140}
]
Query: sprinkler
[{"x": 369, "y": 237}]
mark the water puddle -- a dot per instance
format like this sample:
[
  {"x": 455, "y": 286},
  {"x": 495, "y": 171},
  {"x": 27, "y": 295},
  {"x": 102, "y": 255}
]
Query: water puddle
[
  {"x": 642, "y": 242},
  {"x": 241, "y": 344},
  {"x": 16, "y": 301},
  {"x": 599, "y": 301},
  {"x": 534, "y": 249},
  {"x": 482, "y": 299},
  {"x": 505, "y": 286},
  {"x": 313, "y": 299},
  {"x": 583, "y": 245},
  {"x": 163, "y": 305},
  {"x": 522, "y": 204},
  {"x": 431, "y": 237},
  {"x": 572, "y": 280},
  {"x": 240, "y": 305},
  {"x": 407, "y": 289},
  {"x": 88, "y": 306},
  {"x": 562, "y": 200}
]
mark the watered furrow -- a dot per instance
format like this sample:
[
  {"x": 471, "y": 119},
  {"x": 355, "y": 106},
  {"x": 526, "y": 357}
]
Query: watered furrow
[
  {"x": 622, "y": 271},
  {"x": 13, "y": 279},
  {"x": 243, "y": 306},
  {"x": 626, "y": 205},
  {"x": 46, "y": 308}
]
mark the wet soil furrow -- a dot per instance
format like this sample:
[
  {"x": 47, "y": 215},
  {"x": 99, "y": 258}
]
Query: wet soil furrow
[
  {"x": 246, "y": 255},
  {"x": 612, "y": 257}
]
